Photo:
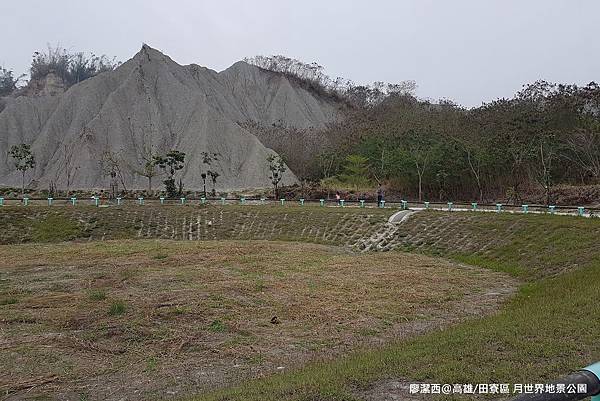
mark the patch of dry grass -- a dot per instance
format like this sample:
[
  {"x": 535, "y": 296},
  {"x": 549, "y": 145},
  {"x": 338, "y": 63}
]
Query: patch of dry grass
[{"x": 104, "y": 319}]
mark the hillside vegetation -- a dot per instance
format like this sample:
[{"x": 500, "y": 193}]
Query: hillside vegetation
[{"x": 546, "y": 135}]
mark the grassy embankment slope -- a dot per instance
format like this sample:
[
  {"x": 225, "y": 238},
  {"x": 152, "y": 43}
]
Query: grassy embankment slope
[{"x": 323, "y": 225}]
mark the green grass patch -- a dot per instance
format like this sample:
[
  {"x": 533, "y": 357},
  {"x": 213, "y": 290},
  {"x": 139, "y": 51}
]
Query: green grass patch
[
  {"x": 54, "y": 228},
  {"x": 97, "y": 295},
  {"x": 117, "y": 308},
  {"x": 217, "y": 326},
  {"x": 492, "y": 264}
]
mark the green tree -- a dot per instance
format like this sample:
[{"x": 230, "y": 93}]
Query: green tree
[
  {"x": 172, "y": 162},
  {"x": 207, "y": 159},
  {"x": 277, "y": 167},
  {"x": 355, "y": 171},
  {"x": 8, "y": 82},
  {"x": 24, "y": 160}
]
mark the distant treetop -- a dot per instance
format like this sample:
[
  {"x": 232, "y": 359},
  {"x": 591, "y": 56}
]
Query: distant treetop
[
  {"x": 71, "y": 67},
  {"x": 312, "y": 76}
]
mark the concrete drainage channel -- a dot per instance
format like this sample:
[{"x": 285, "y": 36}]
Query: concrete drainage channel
[{"x": 382, "y": 239}]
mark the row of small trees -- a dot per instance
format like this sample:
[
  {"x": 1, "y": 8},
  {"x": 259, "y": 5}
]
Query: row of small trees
[{"x": 170, "y": 163}]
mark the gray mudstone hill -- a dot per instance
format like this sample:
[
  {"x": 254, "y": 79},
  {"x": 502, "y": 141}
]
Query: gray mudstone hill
[{"x": 152, "y": 103}]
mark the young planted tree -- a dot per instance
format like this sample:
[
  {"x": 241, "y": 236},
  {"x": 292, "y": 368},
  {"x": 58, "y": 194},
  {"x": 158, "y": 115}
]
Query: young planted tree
[
  {"x": 146, "y": 167},
  {"x": 68, "y": 167},
  {"x": 547, "y": 153},
  {"x": 213, "y": 177},
  {"x": 24, "y": 160},
  {"x": 420, "y": 150},
  {"x": 207, "y": 160},
  {"x": 111, "y": 166},
  {"x": 277, "y": 168},
  {"x": 172, "y": 162}
]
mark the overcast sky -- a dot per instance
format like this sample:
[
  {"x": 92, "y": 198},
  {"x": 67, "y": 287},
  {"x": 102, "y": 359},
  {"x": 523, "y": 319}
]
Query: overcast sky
[{"x": 469, "y": 51}]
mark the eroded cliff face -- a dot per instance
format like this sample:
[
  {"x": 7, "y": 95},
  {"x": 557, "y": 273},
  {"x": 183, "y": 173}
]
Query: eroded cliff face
[
  {"x": 150, "y": 103},
  {"x": 50, "y": 85}
]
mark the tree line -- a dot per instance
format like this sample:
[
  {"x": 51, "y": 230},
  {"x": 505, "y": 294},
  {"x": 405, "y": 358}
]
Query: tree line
[{"x": 547, "y": 134}]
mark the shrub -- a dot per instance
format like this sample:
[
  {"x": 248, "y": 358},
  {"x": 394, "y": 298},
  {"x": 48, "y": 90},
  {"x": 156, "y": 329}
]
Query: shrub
[{"x": 71, "y": 67}]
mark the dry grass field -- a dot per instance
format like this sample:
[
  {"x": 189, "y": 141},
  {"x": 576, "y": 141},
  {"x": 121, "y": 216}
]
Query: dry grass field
[{"x": 157, "y": 318}]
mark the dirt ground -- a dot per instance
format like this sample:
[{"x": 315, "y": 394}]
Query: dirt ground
[{"x": 125, "y": 320}]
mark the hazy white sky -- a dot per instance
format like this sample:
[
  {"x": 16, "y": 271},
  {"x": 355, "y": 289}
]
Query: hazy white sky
[{"x": 466, "y": 50}]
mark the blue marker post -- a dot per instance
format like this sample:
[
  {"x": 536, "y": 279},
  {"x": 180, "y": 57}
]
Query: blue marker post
[
  {"x": 525, "y": 209},
  {"x": 322, "y": 202},
  {"x": 498, "y": 207},
  {"x": 580, "y": 211},
  {"x": 474, "y": 206},
  {"x": 426, "y": 205},
  {"x": 362, "y": 203},
  {"x": 73, "y": 201},
  {"x": 450, "y": 204},
  {"x": 301, "y": 201},
  {"x": 50, "y": 201}
]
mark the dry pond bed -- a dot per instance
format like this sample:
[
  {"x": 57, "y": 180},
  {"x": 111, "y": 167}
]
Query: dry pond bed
[{"x": 155, "y": 318}]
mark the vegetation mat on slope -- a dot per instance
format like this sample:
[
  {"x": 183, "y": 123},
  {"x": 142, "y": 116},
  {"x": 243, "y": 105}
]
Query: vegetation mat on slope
[
  {"x": 326, "y": 225},
  {"x": 529, "y": 246}
]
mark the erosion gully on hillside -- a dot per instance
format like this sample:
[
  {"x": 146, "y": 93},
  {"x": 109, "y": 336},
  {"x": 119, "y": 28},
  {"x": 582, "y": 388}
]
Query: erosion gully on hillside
[{"x": 161, "y": 318}]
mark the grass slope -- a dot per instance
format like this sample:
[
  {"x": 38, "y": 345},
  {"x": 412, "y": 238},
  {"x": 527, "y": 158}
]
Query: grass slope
[
  {"x": 529, "y": 246},
  {"x": 326, "y": 225}
]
